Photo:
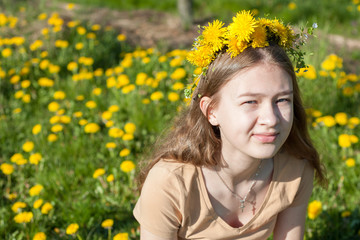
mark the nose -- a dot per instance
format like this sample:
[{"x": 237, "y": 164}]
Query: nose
[{"x": 269, "y": 115}]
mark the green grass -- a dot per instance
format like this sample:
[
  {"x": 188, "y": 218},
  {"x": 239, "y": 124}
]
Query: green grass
[
  {"x": 342, "y": 16},
  {"x": 68, "y": 164}
]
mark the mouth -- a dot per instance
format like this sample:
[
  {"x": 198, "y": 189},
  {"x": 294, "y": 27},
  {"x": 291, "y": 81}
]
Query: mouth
[{"x": 266, "y": 137}]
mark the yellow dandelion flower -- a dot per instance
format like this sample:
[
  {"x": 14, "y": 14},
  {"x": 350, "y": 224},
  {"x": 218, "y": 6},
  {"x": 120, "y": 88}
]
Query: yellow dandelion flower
[
  {"x": 124, "y": 152},
  {"x": 156, "y": 96},
  {"x": 329, "y": 121},
  {"x": 178, "y": 74},
  {"x": 354, "y": 121},
  {"x": 242, "y": 26},
  {"x": 108, "y": 223},
  {"x": 145, "y": 101},
  {"x": 79, "y": 46},
  {"x": 140, "y": 78},
  {"x": 96, "y": 91},
  {"x": 56, "y": 128},
  {"x": 81, "y": 30},
  {"x": 162, "y": 59},
  {"x": 42, "y": 16},
  {"x": 110, "y": 178},
  {"x": 37, "y": 204},
  {"x": 14, "y": 79},
  {"x": 314, "y": 209},
  {"x": 127, "y": 89},
  {"x": 121, "y": 236},
  {"x": 65, "y": 119},
  {"x": 235, "y": 47},
  {"x": 6, "y": 168},
  {"x": 178, "y": 86},
  {"x": 26, "y": 98},
  {"x": 122, "y": 80},
  {"x": 6, "y": 52},
  {"x": 350, "y": 162},
  {"x": 201, "y": 57},
  {"x": 35, "y": 190},
  {"x": 28, "y": 146},
  {"x": 127, "y": 166},
  {"x": 72, "y": 228},
  {"x": 53, "y": 106},
  {"x": 21, "y": 161},
  {"x": 91, "y": 128},
  {"x": 98, "y": 172},
  {"x": 109, "y": 123},
  {"x": 121, "y": 37},
  {"x": 98, "y": 72},
  {"x": 213, "y": 35},
  {"x": 45, "y": 209},
  {"x": 35, "y": 158},
  {"x": 23, "y": 217},
  {"x": 16, "y": 156},
  {"x": 344, "y": 141},
  {"x": 341, "y": 118},
  {"x": 91, "y": 104},
  {"x": 18, "y": 205},
  {"x": 114, "y": 108},
  {"x": 52, "y": 137},
  {"x": 127, "y": 137},
  {"x": 354, "y": 139},
  {"x": 106, "y": 115},
  {"x": 45, "y": 82},
  {"x": 25, "y": 84},
  {"x": 115, "y": 132},
  {"x": 110, "y": 145},
  {"x": 19, "y": 94},
  {"x": 130, "y": 127},
  {"x": 310, "y": 73},
  {"x": 173, "y": 96},
  {"x": 39, "y": 236},
  {"x": 259, "y": 37},
  {"x": 328, "y": 65}
]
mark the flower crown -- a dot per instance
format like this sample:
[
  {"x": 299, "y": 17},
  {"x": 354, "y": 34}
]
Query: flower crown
[{"x": 245, "y": 31}]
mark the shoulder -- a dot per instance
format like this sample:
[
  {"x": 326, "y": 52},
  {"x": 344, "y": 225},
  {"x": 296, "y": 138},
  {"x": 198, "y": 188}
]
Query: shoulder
[
  {"x": 170, "y": 168},
  {"x": 289, "y": 166},
  {"x": 294, "y": 177},
  {"x": 170, "y": 174}
]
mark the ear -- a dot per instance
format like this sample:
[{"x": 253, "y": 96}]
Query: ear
[{"x": 208, "y": 111}]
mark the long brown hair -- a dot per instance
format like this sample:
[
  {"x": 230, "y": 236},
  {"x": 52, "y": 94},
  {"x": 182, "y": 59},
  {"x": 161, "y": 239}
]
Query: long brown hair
[{"x": 192, "y": 139}]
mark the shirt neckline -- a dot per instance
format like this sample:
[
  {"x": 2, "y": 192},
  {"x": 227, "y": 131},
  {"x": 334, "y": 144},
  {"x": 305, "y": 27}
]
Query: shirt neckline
[{"x": 221, "y": 221}]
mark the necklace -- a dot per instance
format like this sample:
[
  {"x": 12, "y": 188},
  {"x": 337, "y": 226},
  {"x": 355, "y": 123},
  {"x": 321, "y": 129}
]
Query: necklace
[{"x": 242, "y": 199}]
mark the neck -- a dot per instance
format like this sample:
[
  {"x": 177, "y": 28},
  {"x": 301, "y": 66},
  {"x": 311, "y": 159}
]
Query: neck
[{"x": 239, "y": 169}]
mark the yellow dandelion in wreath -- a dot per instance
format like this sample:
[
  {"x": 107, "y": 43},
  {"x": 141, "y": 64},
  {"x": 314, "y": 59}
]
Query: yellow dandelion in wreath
[
  {"x": 243, "y": 26},
  {"x": 259, "y": 37},
  {"x": 201, "y": 56},
  {"x": 214, "y": 35}
]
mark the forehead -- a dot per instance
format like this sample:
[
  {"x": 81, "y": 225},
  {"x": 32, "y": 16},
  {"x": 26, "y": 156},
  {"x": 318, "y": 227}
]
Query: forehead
[{"x": 264, "y": 79}]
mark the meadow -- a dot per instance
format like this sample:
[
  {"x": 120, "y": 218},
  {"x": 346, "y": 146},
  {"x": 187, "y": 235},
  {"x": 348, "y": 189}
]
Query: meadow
[{"x": 79, "y": 107}]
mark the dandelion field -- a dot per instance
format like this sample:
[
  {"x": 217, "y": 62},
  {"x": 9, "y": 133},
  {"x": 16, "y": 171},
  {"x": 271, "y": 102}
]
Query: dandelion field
[{"x": 79, "y": 107}]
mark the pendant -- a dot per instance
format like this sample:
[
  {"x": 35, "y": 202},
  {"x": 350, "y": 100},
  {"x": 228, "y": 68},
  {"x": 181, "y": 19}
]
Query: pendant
[{"x": 242, "y": 205}]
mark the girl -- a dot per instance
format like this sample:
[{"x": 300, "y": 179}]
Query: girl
[{"x": 238, "y": 163}]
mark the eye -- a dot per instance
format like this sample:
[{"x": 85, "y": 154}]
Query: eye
[
  {"x": 281, "y": 100},
  {"x": 250, "y": 102}
]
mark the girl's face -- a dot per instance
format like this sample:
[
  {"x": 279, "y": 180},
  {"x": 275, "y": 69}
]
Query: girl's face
[{"x": 255, "y": 112}]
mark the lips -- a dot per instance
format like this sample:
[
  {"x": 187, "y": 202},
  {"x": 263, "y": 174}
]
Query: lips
[{"x": 266, "y": 137}]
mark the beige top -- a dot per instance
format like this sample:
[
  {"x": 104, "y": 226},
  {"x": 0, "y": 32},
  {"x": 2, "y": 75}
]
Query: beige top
[{"x": 174, "y": 198}]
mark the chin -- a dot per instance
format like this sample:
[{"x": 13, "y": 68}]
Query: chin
[{"x": 265, "y": 153}]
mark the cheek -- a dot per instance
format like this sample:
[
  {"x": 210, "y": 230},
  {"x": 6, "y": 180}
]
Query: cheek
[{"x": 287, "y": 113}]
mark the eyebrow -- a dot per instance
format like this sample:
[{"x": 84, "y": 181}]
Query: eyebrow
[{"x": 252, "y": 94}]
